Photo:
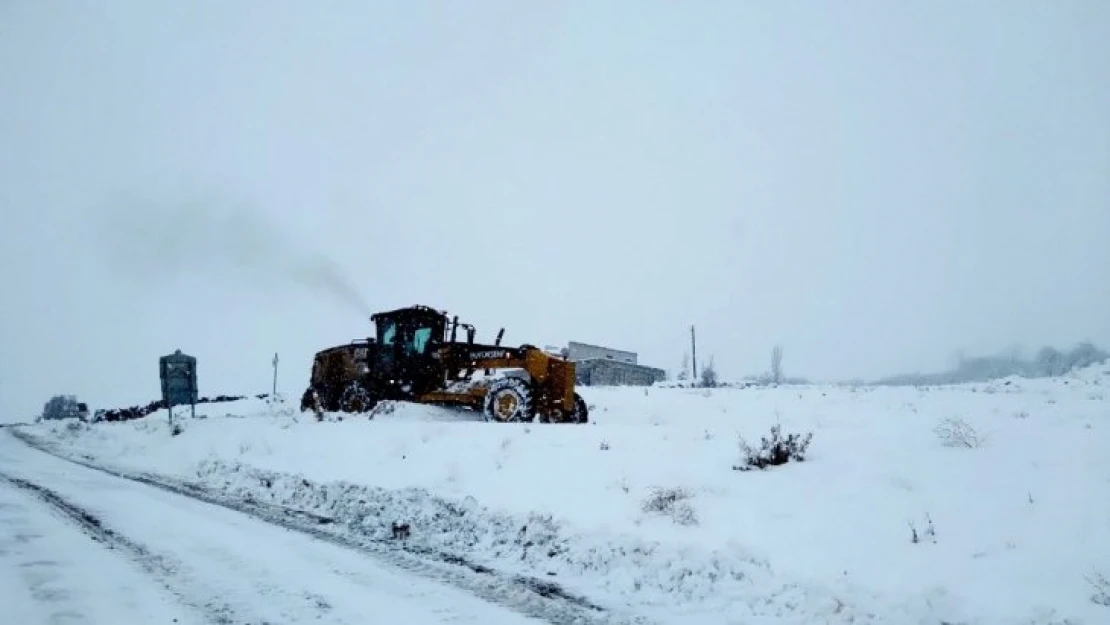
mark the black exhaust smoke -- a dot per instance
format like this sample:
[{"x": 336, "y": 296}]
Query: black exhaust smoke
[{"x": 156, "y": 241}]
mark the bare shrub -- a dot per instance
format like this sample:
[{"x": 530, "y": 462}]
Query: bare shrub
[
  {"x": 709, "y": 375},
  {"x": 672, "y": 502},
  {"x": 400, "y": 531},
  {"x": 1102, "y": 588},
  {"x": 929, "y": 532},
  {"x": 684, "y": 514},
  {"x": 955, "y": 432},
  {"x": 774, "y": 451}
]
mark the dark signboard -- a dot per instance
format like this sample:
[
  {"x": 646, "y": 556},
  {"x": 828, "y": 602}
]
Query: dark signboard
[{"x": 178, "y": 373}]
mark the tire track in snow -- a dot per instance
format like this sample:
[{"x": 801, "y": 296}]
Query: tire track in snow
[
  {"x": 536, "y": 598},
  {"x": 162, "y": 568}
]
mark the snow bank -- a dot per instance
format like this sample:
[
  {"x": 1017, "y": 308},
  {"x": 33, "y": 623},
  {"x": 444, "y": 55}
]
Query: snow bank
[{"x": 1019, "y": 518}]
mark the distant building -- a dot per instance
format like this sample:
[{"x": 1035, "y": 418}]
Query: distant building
[{"x": 603, "y": 366}]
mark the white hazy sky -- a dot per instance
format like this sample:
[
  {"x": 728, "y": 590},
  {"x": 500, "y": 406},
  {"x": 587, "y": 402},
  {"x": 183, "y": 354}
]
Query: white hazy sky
[{"x": 873, "y": 184}]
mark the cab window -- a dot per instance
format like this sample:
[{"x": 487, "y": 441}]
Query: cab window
[
  {"x": 388, "y": 334},
  {"x": 420, "y": 339}
]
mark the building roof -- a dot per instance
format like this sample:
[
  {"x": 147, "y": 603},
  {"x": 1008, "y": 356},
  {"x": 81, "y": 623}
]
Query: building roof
[{"x": 611, "y": 349}]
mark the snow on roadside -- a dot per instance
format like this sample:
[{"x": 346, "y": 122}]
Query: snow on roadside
[
  {"x": 1020, "y": 517},
  {"x": 534, "y": 544}
]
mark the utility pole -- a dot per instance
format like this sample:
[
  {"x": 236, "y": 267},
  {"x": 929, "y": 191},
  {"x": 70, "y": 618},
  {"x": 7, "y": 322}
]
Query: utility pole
[
  {"x": 273, "y": 395},
  {"x": 694, "y": 351}
]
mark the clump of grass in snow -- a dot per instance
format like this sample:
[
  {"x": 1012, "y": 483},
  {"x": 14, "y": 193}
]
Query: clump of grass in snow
[
  {"x": 929, "y": 532},
  {"x": 774, "y": 451},
  {"x": 1102, "y": 588},
  {"x": 955, "y": 432},
  {"x": 672, "y": 502}
]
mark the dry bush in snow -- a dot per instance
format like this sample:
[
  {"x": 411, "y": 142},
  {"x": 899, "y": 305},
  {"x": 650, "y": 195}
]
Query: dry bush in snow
[
  {"x": 955, "y": 432},
  {"x": 709, "y": 375},
  {"x": 929, "y": 533},
  {"x": 1102, "y": 588},
  {"x": 774, "y": 451},
  {"x": 672, "y": 502}
]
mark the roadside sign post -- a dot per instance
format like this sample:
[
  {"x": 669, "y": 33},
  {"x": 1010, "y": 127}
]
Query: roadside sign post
[{"x": 178, "y": 374}]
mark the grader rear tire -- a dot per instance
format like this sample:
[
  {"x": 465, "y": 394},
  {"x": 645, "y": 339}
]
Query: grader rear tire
[
  {"x": 357, "y": 399},
  {"x": 508, "y": 400},
  {"x": 309, "y": 401},
  {"x": 581, "y": 412}
]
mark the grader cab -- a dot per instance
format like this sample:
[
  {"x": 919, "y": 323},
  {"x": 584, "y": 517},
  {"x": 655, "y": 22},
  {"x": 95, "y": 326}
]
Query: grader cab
[{"x": 417, "y": 355}]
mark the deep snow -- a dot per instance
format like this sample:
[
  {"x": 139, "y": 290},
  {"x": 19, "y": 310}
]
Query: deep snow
[{"x": 1018, "y": 522}]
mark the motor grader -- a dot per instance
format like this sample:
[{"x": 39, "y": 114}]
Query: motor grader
[{"x": 416, "y": 355}]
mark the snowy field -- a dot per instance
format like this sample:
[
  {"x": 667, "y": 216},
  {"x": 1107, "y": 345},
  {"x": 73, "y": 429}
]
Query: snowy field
[{"x": 1006, "y": 486}]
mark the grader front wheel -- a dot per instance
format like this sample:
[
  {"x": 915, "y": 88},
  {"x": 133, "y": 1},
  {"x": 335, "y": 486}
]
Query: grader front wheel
[{"x": 508, "y": 400}]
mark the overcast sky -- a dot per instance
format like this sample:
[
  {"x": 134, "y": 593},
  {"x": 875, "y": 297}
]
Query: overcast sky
[{"x": 874, "y": 185}]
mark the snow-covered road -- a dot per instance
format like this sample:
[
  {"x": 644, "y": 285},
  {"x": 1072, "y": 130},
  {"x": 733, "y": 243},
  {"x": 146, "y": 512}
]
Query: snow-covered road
[
  {"x": 52, "y": 572},
  {"x": 81, "y": 546}
]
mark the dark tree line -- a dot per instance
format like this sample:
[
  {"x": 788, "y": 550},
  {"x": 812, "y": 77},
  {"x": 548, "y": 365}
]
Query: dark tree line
[{"x": 1048, "y": 362}]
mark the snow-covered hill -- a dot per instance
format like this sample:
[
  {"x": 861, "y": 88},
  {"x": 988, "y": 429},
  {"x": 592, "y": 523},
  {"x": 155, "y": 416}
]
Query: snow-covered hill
[{"x": 1005, "y": 484}]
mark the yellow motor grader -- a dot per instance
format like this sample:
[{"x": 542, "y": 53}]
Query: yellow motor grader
[{"x": 416, "y": 355}]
